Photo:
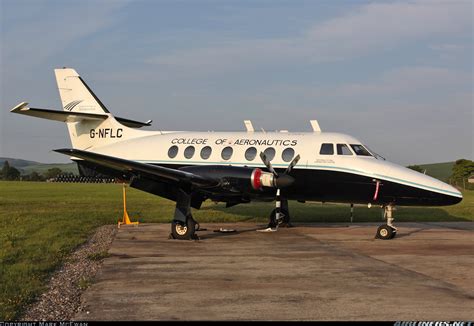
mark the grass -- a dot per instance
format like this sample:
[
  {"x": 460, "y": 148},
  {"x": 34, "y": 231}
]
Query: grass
[
  {"x": 84, "y": 283},
  {"x": 41, "y": 223}
]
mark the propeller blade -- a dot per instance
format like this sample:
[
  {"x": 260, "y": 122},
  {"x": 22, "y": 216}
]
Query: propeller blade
[
  {"x": 292, "y": 164},
  {"x": 268, "y": 164}
]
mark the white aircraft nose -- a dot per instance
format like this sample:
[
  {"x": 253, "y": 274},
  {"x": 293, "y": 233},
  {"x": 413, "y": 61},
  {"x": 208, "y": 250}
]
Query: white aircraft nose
[{"x": 444, "y": 193}]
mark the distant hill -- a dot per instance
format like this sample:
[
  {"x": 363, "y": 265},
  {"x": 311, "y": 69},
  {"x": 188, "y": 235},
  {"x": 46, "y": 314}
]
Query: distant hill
[
  {"x": 40, "y": 168},
  {"x": 26, "y": 167},
  {"x": 441, "y": 171},
  {"x": 18, "y": 163}
]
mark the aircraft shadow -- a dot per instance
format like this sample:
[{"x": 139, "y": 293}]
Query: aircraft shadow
[
  {"x": 331, "y": 213},
  {"x": 206, "y": 235}
]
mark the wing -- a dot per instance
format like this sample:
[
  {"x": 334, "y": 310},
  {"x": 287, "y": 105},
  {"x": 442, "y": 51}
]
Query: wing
[{"x": 145, "y": 170}]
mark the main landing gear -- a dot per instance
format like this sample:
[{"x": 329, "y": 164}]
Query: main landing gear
[
  {"x": 183, "y": 226},
  {"x": 387, "y": 231}
]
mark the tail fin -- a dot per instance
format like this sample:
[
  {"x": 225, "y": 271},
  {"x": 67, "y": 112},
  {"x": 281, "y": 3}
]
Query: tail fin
[
  {"x": 78, "y": 98},
  {"x": 89, "y": 122},
  {"x": 75, "y": 95}
]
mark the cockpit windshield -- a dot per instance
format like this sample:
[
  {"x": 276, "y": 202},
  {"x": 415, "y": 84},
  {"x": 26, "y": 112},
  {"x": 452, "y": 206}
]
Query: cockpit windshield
[
  {"x": 360, "y": 150},
  {"x": 377, "y": 156}
]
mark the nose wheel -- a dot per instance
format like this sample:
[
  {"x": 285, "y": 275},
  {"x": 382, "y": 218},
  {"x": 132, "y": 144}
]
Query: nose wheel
[{"x": 387, "y": 231}]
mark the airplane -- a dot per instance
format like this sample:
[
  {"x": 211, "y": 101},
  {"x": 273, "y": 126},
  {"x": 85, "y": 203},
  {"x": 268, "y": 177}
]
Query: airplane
[{"x": 234, "y": 167}]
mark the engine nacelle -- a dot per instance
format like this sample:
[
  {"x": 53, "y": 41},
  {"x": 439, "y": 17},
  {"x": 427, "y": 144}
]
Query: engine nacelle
[
  {"x": 260, "y": 179},
  {"x": 234, "y": 178}
]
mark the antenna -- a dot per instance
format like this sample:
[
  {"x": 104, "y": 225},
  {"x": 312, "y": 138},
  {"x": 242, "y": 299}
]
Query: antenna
[
  {"x": 315, "y": 125},
  {"x": 249, "y": 126}
]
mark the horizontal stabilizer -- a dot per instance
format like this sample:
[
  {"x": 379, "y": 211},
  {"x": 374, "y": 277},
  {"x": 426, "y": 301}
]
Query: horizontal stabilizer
[
  {"x": 66, "y": 116},
  {"x": 63, "y": 116},
  {"x": 133, "y": 123}
]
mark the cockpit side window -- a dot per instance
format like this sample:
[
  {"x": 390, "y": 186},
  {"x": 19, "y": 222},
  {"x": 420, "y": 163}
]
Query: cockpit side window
[
  {"x": 343, "y": 149},
  {"x": 360, "y": 150},
  {"x": 326, "y": 149}
]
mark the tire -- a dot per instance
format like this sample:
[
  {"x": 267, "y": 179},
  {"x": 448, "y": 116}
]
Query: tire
[
  {"x": 284, "y": 220},
  {"x": 183, "y": 231},
  {"x": 385, "y": 232},
  {"x": 394, "y": 233}
]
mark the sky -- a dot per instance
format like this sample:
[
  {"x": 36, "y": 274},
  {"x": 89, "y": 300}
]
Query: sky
[{"x": 398, "y": 75}]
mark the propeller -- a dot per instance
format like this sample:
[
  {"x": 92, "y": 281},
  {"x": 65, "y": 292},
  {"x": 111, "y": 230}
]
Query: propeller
[
  {"x": 268, "y": 164},
  {"x": 292, "y": 164},
  {"x": 281, "y": 181}
]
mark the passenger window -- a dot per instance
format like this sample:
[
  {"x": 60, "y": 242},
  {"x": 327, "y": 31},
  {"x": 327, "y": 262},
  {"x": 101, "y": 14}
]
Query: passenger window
[
  {"x": 360, "y": 150},
  {"x": 189, "y": 152},
  {"x": 269, "y": 153},
  {"x": 250, "y": 153},
  {"x": 227, "y": 153},
  {"x": 173, "y": 151},
  {"x": 326, "y": 149},
  {"x": 206, "y": 152},
  {"x": 288, "y": 154},
  {"x": 343, "y": 149}
]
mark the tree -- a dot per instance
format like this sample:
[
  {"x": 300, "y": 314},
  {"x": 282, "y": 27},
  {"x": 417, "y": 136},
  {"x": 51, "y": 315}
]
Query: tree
[
  {"x": 34, "y": 176},
  {"x": 10, "y": 172},
  {"x": 5, "y": 169},
  {"x": 13, "y": 174},
  {"x": 416, "y": 168},
  {"x": 462, "y": 170},
  {"x": 52, "y": 173}
]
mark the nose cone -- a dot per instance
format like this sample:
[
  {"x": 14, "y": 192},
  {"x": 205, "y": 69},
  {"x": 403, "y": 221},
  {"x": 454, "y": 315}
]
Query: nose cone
[
  {"x": 419, "y": 189},
  {"x": 453, "y": 200},
  {"x": 284, "y": 180},
  {"x": 444, "y": 193}
]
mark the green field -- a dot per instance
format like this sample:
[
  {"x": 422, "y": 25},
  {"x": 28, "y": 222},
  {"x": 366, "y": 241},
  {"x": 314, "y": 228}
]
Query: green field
[
  {"x": 41, "y": 223},
  {"x": 441, "y": 171}
]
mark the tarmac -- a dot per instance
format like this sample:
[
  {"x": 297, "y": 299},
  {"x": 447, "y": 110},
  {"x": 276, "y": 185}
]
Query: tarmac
[{"x": 308, "y": 272}]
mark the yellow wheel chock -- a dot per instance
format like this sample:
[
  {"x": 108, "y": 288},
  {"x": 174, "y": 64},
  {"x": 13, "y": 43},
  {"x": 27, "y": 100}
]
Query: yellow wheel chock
[{"x": 125, "y": 218}]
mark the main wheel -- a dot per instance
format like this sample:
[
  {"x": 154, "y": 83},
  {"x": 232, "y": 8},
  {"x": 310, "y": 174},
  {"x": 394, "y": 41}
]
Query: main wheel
[
  {"x": 385, "y": 232},
  {"x": 183, "y": 231},
  {"x": 284, "y": 217}
]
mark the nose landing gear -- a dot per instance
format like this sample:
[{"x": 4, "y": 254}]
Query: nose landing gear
[{"x": 387, "y": 231}]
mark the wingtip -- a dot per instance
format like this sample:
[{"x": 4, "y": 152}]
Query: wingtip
[
  {"x": 64, "y": 150},
  {"x": 19, "y": 107}
]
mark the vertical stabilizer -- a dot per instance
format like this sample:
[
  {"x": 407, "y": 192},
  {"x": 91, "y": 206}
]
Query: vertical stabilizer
[{"x": 75, "y": 95}]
